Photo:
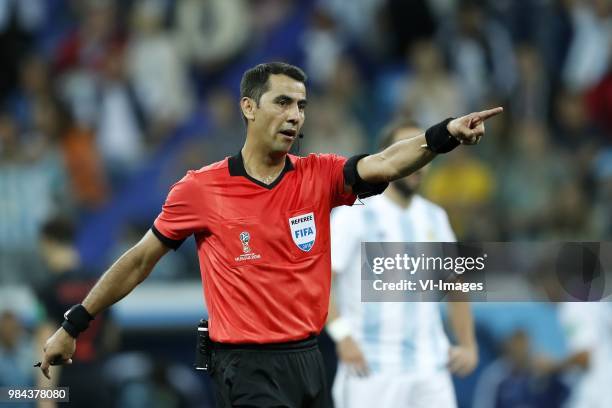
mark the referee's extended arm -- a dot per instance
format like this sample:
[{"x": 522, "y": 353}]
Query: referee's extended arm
[
  {"x": 406, "y": 156},
  {"x": 120, "y": 279}
]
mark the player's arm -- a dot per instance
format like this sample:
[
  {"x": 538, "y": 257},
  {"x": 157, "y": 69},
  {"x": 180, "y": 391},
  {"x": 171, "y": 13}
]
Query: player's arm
[
  {"x": 463, "y": 357},
  {"x": 338, "y": 329},
  {"x": 406, "y": 156},
  {"x": 120, "y": 279},
  {"x": 579, "y": 359},
  {"x": 545, "y": 365},
  {"x": 582, "y": 325}
]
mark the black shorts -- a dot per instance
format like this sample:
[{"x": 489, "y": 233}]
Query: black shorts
[{"x": 288, "y": 375}]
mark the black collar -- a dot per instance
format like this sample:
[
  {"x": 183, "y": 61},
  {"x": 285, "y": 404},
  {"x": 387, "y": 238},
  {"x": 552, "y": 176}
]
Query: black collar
[{"x": 236, "y": 168}]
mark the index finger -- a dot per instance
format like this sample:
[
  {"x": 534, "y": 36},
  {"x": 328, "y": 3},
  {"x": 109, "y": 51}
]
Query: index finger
[
  {"x": 44, "y": 367},
  {"x": 487, "y": 114}
]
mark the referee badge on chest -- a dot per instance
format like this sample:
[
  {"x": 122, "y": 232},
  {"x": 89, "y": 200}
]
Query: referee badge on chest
[{"x": 303, "y": 231}]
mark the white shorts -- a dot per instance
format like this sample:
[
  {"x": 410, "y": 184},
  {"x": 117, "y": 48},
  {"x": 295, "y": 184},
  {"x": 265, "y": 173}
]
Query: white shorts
[{"x": 383, "y": 390}]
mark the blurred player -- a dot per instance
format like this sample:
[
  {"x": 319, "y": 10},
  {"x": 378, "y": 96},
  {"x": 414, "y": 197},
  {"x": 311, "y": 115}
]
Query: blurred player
[
  {"x": 393, "y": 354},
  {"x": 15, "y": 350},
  {"x": 512, "y": 379},
  {"x": 261, "y": 223},
  {"x": 67, "y": 283},
  {"x": 588, "y": 330}
]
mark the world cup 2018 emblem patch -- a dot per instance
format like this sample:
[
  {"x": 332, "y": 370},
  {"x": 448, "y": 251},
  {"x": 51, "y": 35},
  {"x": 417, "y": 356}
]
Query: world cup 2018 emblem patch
[
  {"x": 247, "y": 252},
  {"x": 245, "y": 237},
  {"x": 303, "y": 231}
]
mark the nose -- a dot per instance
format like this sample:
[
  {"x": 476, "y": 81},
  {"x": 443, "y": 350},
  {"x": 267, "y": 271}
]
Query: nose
[{"x": 293, "y": 116}]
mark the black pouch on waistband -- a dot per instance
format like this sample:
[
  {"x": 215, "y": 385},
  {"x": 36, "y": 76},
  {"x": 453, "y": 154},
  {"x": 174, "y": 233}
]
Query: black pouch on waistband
[{"x": 203, "y": 346}]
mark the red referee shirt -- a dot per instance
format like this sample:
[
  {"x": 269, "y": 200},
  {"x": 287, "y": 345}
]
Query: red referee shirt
[{"x": 264, "y": 250}]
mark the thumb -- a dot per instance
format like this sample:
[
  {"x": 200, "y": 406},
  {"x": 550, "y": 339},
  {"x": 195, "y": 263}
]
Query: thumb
[{"x": 473, "y": 122}]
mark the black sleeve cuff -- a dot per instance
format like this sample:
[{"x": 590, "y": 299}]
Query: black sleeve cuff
[
  {"x": 169, "y": 242},
  {"x": 361, "y": 188}
]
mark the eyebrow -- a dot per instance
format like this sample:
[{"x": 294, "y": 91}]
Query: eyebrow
[{"x": 281, "y": 98}]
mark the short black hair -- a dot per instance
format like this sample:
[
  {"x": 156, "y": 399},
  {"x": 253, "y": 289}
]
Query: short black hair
[
  {"x": 254, "y": 82},
  {"x": 58, "y": 229},
  {"x": 385, "y": 139}
]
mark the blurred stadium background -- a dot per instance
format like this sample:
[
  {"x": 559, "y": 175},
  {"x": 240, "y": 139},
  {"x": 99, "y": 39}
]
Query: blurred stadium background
[{"x": 104, "y": 104}]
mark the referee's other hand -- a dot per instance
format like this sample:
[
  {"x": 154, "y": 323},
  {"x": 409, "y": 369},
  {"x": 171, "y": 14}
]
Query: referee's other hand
[
  {"x": 58, "y": 349},
  {"x": 469, "y": 129}
]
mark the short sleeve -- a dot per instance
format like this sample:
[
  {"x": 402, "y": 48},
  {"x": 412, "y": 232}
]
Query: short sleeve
[
  {"x": 333, "y": 166},
  {"x": 180, "y": 216},
  {"x": 446, "y": 230},
  {"x": 345, "y": 238}
]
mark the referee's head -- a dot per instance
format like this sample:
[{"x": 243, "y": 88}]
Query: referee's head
[
  {"x": 272, "y": 101},
  {"x": 402, "y": 129}
]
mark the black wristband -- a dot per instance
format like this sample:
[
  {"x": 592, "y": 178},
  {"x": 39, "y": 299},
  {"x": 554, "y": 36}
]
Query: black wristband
[
  {"x": 69, "y": 327},
  {"x": 439, "y": 139},
  {"x": 77, "y": 320},
  {"x": 360, "y": 187}
]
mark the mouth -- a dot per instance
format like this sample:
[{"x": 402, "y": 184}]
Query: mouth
[{"x": 289, "y": 133}]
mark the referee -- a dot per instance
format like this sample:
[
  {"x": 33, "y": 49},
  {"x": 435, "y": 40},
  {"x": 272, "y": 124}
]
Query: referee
[{"x": 261, "y": 224}]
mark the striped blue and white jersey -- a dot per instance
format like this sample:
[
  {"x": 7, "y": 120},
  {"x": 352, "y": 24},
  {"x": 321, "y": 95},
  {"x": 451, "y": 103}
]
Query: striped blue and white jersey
[
  {"x": 396, "y": 337},
  {"x": 588, "y": 327}
]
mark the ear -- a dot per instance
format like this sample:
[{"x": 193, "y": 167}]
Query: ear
[{"x": 248, "y": 107}]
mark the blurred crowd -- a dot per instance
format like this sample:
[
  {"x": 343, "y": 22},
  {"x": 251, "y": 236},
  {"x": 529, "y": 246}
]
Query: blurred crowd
[
  {"x": 105, "y": 103},
  {"x": 100, "y": 97}
]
